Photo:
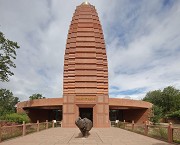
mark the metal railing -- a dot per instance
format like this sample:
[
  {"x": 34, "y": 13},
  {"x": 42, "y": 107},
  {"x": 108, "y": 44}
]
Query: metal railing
[
  {"x": 163, "y": 132},
  {"x": 7, "y": 132}
]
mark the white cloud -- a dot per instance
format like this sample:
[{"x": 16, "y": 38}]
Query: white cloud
[
  {"x": 150, "y": 59},
  {"x": 142, "y": 42}
]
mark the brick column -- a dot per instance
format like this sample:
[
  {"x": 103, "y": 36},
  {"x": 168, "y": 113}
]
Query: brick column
[
  {"x": 146, "y": 128},
  {"x": 37, "y": 125},
  {"x": 46, "y": 124},
  {"x": 132, "y": 125},
  {"x": 124, "y": 124},
  {"x": 170, "y": 133},
  {"x": 0, "y": 132},
  {"x": 53, "y": 124},
  {"x": 24, "y": 128}
]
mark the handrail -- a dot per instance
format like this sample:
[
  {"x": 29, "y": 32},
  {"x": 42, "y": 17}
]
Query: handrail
[
  {"x": 11, "y": 126},
  {"x": 169, "y": 133},
  {"x": 7, "y": 132}
]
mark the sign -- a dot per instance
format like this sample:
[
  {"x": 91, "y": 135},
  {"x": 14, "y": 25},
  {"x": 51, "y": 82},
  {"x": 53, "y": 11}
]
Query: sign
[{"x": 86, "y": 99}]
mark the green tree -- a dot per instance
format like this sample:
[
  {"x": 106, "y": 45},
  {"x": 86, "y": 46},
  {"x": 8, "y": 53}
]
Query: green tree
[
  {"x": 166, "y": 102},
  {"x": 7, "y": 54},
  {"x": 36, "y": 96},
  {"x": 157, "y": 114},
  {"x": 154, "y": 97},
  {"x": 170, "y": 99},
  {"x": 175, "y": 114},
  {"x": 7, "y": 102}
]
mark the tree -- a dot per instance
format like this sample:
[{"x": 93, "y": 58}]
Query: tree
[
  {"x": 155, "y": 97},
  {"x": 175, "y": 114},
  {"x": 7, "y": 102},
  {"x": 157, "y": 114},
  {"x": 170, "y": 99},
  {"x": 166, "y": 102},
  {"x": 7, "y": 53},
  {"x": 36, "y": 96}
]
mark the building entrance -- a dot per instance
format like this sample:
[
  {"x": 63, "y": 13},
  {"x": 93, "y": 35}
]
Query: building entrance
[
  {"x": 86, "y": 113},
  {"x": 116, "y": 115}
]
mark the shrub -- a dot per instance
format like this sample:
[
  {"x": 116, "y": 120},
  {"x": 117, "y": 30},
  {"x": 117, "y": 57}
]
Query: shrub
[
  {"x": 18, "y": 118},
  {"x": 157, "y": 111},
  {"x": 175, "y": 114},
  {"x": 163, "y": 133},
  {"x": 120, "y": 124}
]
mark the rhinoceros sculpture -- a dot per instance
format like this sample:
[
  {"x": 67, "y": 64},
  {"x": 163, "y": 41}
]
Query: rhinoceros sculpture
[{"x": 84, "y": 125}]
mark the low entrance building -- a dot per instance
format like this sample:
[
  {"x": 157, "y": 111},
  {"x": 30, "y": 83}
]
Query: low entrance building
[
  {"x": 85, "y": 82},
  {"x": 119, "y": 109}
]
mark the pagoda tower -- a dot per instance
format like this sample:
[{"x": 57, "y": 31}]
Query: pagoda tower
[{"x": 85, "y": 82}]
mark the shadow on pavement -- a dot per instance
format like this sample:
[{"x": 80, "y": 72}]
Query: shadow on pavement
[
  {"x": 81, "y": 136},
  {"x": 162, "y": 144}
]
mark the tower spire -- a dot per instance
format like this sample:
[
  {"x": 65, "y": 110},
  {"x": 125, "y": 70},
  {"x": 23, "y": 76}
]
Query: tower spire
[
  {"x": 85, "y": 69},
  {"x": 86, "y": 3}
]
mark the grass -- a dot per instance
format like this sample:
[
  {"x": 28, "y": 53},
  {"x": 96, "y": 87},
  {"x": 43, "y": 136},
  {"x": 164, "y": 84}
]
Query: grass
[
  {"x": 158, "y": 132},
  {"x": 11, "y": 132},
  {"x": 42, "y": 126},
  {"x": 155, "y": 131},
  {"x": 31, "y": 128},
  {"x": 139, "y": 129},
  {"x": 176, "y": 135},
  {"x": 17, "y": 130}
]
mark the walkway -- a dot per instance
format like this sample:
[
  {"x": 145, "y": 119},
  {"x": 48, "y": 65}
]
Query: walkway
[{"x": 65, "y": 136}]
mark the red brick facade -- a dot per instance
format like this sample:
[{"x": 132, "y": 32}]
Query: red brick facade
[
  {"x": 85, "y": 69},
  {"x": 85, "y": 82}
]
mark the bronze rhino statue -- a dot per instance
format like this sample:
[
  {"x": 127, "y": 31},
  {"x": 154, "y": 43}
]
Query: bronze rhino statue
[{"x": 84, "y": 125}]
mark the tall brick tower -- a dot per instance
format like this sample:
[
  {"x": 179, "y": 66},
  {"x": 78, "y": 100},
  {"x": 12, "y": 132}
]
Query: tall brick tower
[{"x": 85, "y": 88}]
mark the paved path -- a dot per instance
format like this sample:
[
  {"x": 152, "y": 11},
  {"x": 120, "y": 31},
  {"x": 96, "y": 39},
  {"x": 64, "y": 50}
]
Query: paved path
[{"x": 69, "y": 136}]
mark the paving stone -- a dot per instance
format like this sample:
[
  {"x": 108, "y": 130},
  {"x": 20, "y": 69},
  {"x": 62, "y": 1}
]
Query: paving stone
[{"x": 72, "y": 136}]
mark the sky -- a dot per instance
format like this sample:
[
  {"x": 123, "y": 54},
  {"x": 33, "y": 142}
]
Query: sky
[{"x": 142, "y": 43}]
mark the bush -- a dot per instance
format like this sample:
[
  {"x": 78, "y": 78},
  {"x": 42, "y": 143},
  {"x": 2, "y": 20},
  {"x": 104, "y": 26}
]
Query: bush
[
  {"x": 157, "y": 114},
  {"x": 120, "y": 124},
  {"x": 163, "y": 133},
  {"x": 18, "y": 118},
  {"x": 175, "y": 114}
]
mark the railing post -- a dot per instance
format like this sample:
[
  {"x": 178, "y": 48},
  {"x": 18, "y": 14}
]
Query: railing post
[
  {"x": 170, "y": 133},
  {"x": 53, "y": 124},
  {"x": 146, "y": 128},
  {"x": 132, "y": 125},
  {"x": 37, "y": 125},
  {"x": 0, "y": 132},
  {"x": 124, "y": 124},
  {"x": 24, "y": 128},
  {"x": 46, "y": 124}
]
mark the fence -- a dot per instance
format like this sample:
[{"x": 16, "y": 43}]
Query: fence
[
  {"x": 7, "y": 132},
  {"x": 167, "y": 133}
]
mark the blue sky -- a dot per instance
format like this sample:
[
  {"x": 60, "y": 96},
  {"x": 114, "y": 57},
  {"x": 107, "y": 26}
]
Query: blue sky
[{"x": 142, "y": 43}]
